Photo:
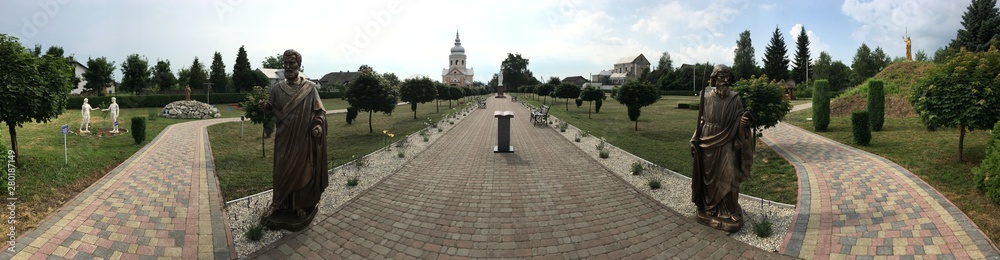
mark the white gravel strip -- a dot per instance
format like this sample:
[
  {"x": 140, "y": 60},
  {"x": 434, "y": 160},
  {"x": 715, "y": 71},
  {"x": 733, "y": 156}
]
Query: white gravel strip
[
  {"x": 244, "y": 213},
  {"x": 675, "y": 190}
]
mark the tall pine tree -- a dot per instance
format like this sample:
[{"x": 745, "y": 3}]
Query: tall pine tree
[
  {"x": 776, "y": 57},
  {"x": 863, "y": 66},
  {"x": 243, "y": 77},
  {"x": 802, "y": 58},
  {"x": 981, "y": 23},
  {"x": 744, "y": 64},
  {"x": 218, "y": 77},
  {"x": 197, "y": 76}
]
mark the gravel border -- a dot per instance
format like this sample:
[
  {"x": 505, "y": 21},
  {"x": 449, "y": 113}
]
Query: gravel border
[
  {"x": 675, "y": 188},
  {"x": 244, "y": 213}
]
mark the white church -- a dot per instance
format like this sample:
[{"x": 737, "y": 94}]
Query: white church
[{"x": 457, "y": 74}]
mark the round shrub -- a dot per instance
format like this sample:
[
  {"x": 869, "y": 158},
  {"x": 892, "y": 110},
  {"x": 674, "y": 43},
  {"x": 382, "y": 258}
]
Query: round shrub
[
  {"x": 876, "y": 104},
  {"x": 139, "y": 129},
  {"x": 352, "y": 113},
  {"x": 579, "y": 102},
  {"x": 597, "y": 105},
  {"x": 821, "y": 105},
  {"x": 862, "y": 131}
]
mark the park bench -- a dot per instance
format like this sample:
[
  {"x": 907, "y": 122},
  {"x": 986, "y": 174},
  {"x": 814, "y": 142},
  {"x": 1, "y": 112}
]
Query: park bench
[
  {"x": 540, "y": 116},
  {"x": 482, "y": 102}
]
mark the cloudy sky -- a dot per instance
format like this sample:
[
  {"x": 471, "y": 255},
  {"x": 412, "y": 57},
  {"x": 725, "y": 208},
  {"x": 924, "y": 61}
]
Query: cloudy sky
[{"x": 559, "y": 37}]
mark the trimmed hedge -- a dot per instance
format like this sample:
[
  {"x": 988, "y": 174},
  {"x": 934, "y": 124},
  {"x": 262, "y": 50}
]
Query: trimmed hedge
[
  {"x": 138, "y": 129},
  {"x": 876, "y": 104},
  {"x": 986, "y": 175},
  {"x": 683, "y": 106},
  {"x": 862, "y": 131},
  {"x": 688, "y": 93},
  {"x": 821, "y": 105},
  {"x": 694, "y": 106},
  {"x": 597, "y": 105}
]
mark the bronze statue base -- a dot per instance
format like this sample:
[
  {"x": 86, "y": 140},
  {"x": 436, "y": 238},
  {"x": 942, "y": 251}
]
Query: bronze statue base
[
  {"x": 725, "y": 224},
  {"x": 290, "y": 220}
]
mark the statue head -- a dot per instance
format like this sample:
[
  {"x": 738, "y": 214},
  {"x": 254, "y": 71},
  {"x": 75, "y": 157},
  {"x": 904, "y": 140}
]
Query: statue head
[
  {"x": 85, "y": 100},
  {"x": 720, "y": 79},
  {"x": 113, "y": 100},
  {"x": 293, "y": 62}
]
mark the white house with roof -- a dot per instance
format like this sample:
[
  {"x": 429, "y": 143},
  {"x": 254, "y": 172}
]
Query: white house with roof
[{"x": 277, "y": 75}]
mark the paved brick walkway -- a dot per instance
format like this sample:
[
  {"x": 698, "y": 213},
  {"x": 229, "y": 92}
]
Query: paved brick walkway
[
  {"x": 162, "y": 201},
  {"x": 853, "y": 203},
  {"x": 546, "y": 200}
]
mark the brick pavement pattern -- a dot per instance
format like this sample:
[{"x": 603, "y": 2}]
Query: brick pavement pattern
[
  {"x": 163, "y": 201},
  {"x": 548, "y": 199},
  {"x": 854, "y": 203}
]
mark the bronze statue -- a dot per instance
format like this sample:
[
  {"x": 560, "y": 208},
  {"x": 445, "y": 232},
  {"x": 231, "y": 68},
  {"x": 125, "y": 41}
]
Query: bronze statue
[
  {"x": 187, "y": 93},
  {"x": 723, "y": 147},
  {"x": 909, "y": 56},
  {"x": 300, "y": 166}
]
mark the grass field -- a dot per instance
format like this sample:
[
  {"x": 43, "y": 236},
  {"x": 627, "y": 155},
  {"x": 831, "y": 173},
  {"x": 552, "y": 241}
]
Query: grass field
[
  {"x": 243, "y": 172},
  {"x": 664, "y": 138},
  {"x": 933, "y": 156}
]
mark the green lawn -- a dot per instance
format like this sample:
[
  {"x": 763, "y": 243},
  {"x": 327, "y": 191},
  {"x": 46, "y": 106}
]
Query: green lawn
[
  {"x": 243, "y": 172},
  {"x": 933, "y": 156},
  {"x": 664, "y": 138}
]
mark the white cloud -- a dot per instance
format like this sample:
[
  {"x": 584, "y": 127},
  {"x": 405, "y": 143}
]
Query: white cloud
[
  {"x": 693, "y": 32},
  {"x": 930, "y": 23},
  {"x": 767, "y": 7}
]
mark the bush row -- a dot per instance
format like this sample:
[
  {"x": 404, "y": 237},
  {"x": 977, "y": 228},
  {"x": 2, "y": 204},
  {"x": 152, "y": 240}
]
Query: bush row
[
  {"x": 821, "y": 105},
  {"x": 133, "y": 101},
  {"x": 986, "y": 175},
  {"x": 876, "y": 104}
]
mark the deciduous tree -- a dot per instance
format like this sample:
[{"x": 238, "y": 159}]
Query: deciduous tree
[
  {"x": 591, "y": 94},
  {"x": 961, "y": 93},
  {"x": 135, "y": 74},
  {"x": 369, "y": 92},
  {"x": 99, "y": 75},
  {"x": 568, "y": 90},
  {"x": 635, "y": 95},
  {"x": 419, "y": 90},
  {"x": 32, "y": 88},
  {"x": 163, "y": 77}
]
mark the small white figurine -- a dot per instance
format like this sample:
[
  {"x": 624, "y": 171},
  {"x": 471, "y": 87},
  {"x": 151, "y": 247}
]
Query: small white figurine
[
  {"x": 85, "y": 125},
  {"x": 114, "y": 114}
]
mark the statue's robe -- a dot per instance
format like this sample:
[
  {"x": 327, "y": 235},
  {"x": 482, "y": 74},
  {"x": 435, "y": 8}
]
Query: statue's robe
[
  {"x": 300, "y": 164},
  {"x": 723, "y": 158}
]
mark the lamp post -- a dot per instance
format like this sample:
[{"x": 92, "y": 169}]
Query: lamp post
[{"x": 208, "y": 91}]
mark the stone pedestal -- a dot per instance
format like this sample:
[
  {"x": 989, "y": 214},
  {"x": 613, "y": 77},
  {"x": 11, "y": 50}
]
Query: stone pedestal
[
  {"x": 500, "y": 91},
  {"x": 503, "y": 132}
]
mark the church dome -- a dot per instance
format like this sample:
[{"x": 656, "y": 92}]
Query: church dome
[{"x": 458, "y": 49}]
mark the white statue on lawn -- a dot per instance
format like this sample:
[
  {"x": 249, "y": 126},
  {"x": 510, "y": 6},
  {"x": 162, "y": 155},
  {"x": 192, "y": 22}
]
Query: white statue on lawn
[
  {"x": 114, "y": 114},
  {"x": 85, "y": 125}
]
